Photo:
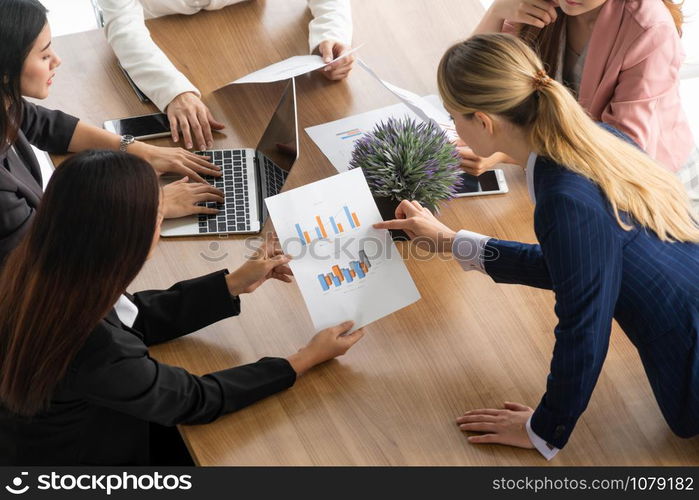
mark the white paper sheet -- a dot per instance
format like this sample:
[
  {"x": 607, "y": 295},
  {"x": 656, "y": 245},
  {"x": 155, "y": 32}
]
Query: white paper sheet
[
  {"x": 423, "y": 108},
  {"x": 288, "y": 68},
  {"x": 346, "y": 269},
  {"x": 336, "y": 139}
]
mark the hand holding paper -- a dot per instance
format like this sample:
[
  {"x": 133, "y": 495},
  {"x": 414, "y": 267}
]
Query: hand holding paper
[
  {"x": 331, "y": 49},
  {"x": 289, "y": 68}
]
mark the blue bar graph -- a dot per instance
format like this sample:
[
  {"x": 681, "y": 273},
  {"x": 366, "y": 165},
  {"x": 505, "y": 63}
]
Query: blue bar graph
[
  {"x": 323, "y": 283},
  {"x": 322, "y": 230},
  {"x": 349, "y": 217},
  {"x": 356, "y": 270}
]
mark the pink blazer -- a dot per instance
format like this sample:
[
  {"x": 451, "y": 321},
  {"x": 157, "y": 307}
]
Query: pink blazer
[{"x": 631, "y": 78}]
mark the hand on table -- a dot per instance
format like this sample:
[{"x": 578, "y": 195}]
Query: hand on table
[
  {"x": 324, "y": 346},
  {"x": 268, "y": 262},
  {"x": 506, "y": 426},
  {"x": 421, "y": 226},
  {"x": 181, "y": 198},
  {"x": 329, "y": 50},
  {"x": 537, "y": 13},
  {"x": 191, "y": 117}
]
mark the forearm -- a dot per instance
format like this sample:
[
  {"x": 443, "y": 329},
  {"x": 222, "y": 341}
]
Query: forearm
[
  {"x": 140, "y": 56},
  {"x": 88, "y": 136},
  {"x": 185, "y": 307},
  {"x": 491, "y": 22},
  {"x": 302, "y": 361}
]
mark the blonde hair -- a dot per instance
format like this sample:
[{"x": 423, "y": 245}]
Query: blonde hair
[{"x": 498, "y": 74}]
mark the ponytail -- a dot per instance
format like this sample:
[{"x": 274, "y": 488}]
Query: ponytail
[{"x": 499, "y": 74}]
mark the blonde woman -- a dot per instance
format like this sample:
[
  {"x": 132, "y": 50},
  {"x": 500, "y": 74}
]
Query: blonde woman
[{"x": 616, "y": 240}]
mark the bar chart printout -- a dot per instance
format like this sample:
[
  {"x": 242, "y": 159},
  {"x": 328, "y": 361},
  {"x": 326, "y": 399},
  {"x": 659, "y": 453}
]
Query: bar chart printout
[
  {"x": 357, "y": 270},
  {"x": 335, "y": 225},
  {"x": 344, "y": 268}
]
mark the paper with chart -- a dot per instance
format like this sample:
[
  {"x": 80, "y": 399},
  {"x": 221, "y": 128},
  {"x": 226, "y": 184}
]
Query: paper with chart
[
  {"x": 346, "y": 269},
  {"x": 289, "y": 68},
  {"x": 336, "y": 139}
]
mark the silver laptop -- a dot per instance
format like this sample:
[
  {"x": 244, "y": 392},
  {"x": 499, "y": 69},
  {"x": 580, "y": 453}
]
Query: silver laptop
[{"x": 249, "y": 176}]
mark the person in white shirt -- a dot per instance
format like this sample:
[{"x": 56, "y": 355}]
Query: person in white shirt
[{"x": 330, "y": 34}]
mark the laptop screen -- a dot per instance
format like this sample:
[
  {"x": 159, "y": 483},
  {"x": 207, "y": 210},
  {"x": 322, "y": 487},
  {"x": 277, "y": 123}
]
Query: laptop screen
[{"x": 278, "y": 147}]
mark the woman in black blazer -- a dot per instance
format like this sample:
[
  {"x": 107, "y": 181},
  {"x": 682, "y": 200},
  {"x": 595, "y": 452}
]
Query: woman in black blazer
[
  {"x": 77, "y": 385},
  {"x": 27, "y": 66}
]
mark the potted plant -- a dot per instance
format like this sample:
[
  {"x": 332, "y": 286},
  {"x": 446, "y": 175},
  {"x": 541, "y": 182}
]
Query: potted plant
[{"x": 406, "y": 159}]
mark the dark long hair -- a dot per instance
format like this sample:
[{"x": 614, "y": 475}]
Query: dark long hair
[
  {"x": 89, "y": 239},
  {"x": 546, "y": 41},
  {"x": 21, "y": 21}
]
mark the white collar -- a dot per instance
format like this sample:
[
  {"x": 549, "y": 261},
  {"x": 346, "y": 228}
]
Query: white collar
[
  {"x": 126, "y": 311},
  {"x": 529, "y": 172}
]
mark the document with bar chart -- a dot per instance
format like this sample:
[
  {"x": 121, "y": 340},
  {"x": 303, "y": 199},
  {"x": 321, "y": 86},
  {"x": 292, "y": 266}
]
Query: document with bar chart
[{"x": 344, "y": 267}]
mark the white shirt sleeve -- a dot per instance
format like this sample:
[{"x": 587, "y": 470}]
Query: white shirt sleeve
[
  {"x": 148, "y": 66},
  {"x": 468, "y": 249},
  {"x": 544, "y": 448},
  {"x": 332, "y": 20}
]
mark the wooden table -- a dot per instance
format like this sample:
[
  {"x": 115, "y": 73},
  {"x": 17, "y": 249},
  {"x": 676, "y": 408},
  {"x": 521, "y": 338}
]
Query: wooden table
[{"x": 469, "y": 343}]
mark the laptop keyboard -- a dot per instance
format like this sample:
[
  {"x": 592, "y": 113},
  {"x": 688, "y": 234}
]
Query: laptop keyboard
[
  {"x": 234, "y": 214},
  {"x": 274, "y": 176}
]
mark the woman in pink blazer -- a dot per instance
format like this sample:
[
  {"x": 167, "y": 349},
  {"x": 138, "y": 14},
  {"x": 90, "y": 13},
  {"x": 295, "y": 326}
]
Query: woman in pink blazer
[{"x": 621, "y": 58}]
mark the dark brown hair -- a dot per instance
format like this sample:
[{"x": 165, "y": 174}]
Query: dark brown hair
[
  {"x": 21, "y": 21},
  {"x": 545, "y": 41},
  {"x": 88, "y": 240}
]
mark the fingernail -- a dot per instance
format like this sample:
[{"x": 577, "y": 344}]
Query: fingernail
[{"x": 189, "y": 145}]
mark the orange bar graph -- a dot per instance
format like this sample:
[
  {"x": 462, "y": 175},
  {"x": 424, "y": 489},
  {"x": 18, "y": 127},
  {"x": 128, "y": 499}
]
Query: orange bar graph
[
  {"x": 353, "y": 274},
  {"x": 328, "y": 280},
  {"x": 308, "y": 238},
  {"x": 364, "y": 268},
  {"x": 322, "y": 227},
  {"x": 355, "y": 219},
  {"x": 338, "y": 273},
  {"x": 339, "y": 226}
]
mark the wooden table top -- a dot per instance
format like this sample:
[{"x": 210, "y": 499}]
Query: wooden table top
[{"x": 468, "y": 343}]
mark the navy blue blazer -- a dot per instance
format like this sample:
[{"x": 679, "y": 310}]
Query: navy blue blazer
[{"x": 599, "y": 271}]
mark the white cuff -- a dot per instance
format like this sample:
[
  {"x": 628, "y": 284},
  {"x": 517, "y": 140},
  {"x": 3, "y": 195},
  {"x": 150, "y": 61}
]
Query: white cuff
[
  {"x": 126, "y": 311},
  {"x": 544, "y": 448},
  {"x": 468, "y": 248}
]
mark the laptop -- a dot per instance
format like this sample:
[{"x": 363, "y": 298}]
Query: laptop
[{"x": 249, "y": 176}]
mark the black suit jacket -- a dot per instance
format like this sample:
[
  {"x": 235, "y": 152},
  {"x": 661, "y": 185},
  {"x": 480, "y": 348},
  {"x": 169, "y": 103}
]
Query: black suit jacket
[
  {"x": 20, "y": 175},
  {"x": 100, "y": 411}
]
